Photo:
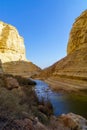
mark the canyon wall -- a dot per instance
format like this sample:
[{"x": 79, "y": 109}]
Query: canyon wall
[
  {"x": 71, "y": 71},
  {"x": 11, "y": 44},
  {"x": 13, "y": 53},
  {"x": 78, "y": 34}
]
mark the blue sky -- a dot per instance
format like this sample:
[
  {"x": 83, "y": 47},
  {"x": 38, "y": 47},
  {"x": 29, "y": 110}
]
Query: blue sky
[{"x": 44, "y": 24}]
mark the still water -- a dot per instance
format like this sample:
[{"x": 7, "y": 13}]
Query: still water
[{"x": 62, "y": 103}]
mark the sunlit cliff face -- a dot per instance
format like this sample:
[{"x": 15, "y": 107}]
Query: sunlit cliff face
[
  {"x": 11, "y": 44},
  {"x": 78, "y": 34}
]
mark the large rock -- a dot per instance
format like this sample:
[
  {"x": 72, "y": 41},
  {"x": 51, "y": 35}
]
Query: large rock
[
  {"x": 70, "y": 73},
  {"x": 11, "y": 83},
  {"x": 73, "y": 121},
  {"x": 68, "y": 121},
  {"x": 11, "y": 44}
]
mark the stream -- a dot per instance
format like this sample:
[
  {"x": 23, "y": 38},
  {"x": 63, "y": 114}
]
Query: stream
[{"x": 62, "y": 103}]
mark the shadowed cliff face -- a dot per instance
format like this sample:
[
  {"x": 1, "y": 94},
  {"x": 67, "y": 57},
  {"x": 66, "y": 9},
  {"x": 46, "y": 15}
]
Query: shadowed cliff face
[
  {"x": 11, "y": 44},
  {"x": 72, "y": 69}
]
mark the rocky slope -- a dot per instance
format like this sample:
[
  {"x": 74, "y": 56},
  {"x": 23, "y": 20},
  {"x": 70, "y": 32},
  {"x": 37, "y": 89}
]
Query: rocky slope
[
  {"x": 20, "y": 109},
  {"x": 70, "y": 73},
  {"x": 23, "y": 68},
  {"x": 64, "y": 122},
  {"x": 12, "y": 52}
]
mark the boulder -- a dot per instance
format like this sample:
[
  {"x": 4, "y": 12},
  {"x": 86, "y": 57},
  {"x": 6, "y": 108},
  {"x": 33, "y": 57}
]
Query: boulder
[
  {"x": 11, "y": 83},
  {"x": 73, "y": 121}
]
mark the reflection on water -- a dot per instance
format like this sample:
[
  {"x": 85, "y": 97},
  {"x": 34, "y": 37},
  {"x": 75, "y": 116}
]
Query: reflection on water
[{"x": 62, "y": 103}]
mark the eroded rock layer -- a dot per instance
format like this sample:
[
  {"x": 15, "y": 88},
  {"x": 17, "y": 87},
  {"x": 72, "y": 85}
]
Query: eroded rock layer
[{"x": 23, "y": 68}]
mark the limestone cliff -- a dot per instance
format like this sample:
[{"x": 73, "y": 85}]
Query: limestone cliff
[
  {"x": 12, "y": 52},
  {"x": 78, "y": 34},
  {"x": 11, "y": 44},
  {"x": 71, "y": 72}
]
